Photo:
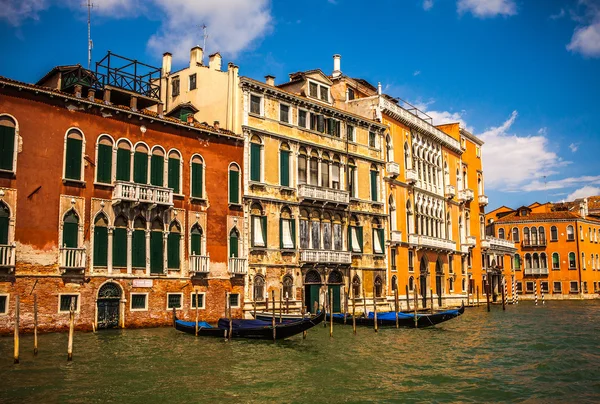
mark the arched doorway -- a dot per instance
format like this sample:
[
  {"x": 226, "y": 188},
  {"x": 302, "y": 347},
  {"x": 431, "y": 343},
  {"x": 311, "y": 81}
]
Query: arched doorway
[
  {"x": 312, "y": 282},
  {"x": 109, "y": 298},
  {"x": 423, "y": 281},
  {"x": 439, "y": 281},
  {"x": 334, "y": 285}
]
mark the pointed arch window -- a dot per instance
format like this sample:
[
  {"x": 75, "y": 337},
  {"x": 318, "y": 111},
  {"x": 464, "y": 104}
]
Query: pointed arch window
[
  {"x": 197, "y": 177},
  {"x": 287, "y": 230},
  {"x": 101, "y": 241},
  {"x": 234, "y": 184},
  {"x": 74, "y": 144},
  {"x": 288, "y": 287},
  {"x": 8, "y": 139},
  {"x": 378, "y": 238},
  {"x": 259, "y": 288},
  {"x": 104, "y": 158},
  {"x": 138, "y": 243},
  {"x": 70, "y": 236},
  {"x": 259, "y": 226},
  {"x": 378, "y": 286},
  {"x": 119, "y": 246},
  {"x": 4, "y": 224},
  {"x": 196, "y": 240},
  {"x": 174, "y": 246},
  {"x": 156, "y": 247},
  {"x": 234, "y": 237},
  {"x": 394, "y": 282},
  {"x": 355, "y": 286},
  {"x": 175, "y": 171}
]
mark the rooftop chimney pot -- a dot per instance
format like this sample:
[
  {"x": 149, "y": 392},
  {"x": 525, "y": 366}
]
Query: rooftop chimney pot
[
  {"x": 166, "y": 63},
  {"x": 214, "y": 61},
  {"x": 196, "y": 55},
  {"x": 336, "y": 65},
  {"x": 270, "y": 80},
  {"x": 216, "y": 125}
]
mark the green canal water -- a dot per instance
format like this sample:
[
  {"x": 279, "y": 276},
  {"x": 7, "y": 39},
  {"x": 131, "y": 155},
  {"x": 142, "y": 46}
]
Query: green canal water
[{"x": 528, "y": 354}]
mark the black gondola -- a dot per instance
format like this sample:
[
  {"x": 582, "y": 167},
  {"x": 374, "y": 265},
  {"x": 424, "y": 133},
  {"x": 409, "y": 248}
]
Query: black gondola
[
  {"x": 388, "y": 319},
  {"x": 255, "y": 329}
]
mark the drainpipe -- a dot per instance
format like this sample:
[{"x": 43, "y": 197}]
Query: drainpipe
[{"x": 577, "y": 239}]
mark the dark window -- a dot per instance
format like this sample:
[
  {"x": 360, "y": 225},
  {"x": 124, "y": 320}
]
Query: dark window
[
  {"x": 175, "y": 87},
  {"x": 519, "y": 287},
  {"x": 410, "y": 261},
  {"x": 529, "y": 287},
  {"x": 284, "y": 113},
  {"x": 197, "y": 178},
  {"x": 302, "y": 118},
  {"x": 123, "y": 164},
  {"x": 259, "y": 288},
  {"x": 574, "y": 287},
  {"x": 173, "y": 301},
  {"x": 73, "y": 156},
  {"x": 173, "y": 247},
  {"x": 313, "y": 88},
  {"x": 288, "y": 287},
  {"x": 324, "y": 93},
  {"x": 557, "y": 288},
  {"x": 393, "y": 253},
  {"x": 157, "y": 169},
  {"x": 65, "y": 302},
  {"x": 255, "y": 162},
  {"x": 174, "y": 169},
  {"x": 372, "y": 139},
  {"x": 104, "y": 169},
  {"x": 255, "y": 104},
  {"x": 350, "y": 94},
  {"x": 193, "y": 81},
  {"x": 3, "y": 304},
  {"x": 138, "y": 301},
  {"x": 234, "y": 185},
  {"x": 200, "y": 300},
  {"x": 553, "y": 233},
  {"x": 7, "y": 144},
  {"x": 572, "y": 262},
  {"x": 234, "y": 300},
  {"x": 350, "y": 133},
  {"x": 544, "y": 287},
  {"x": 101, "y": 242}
]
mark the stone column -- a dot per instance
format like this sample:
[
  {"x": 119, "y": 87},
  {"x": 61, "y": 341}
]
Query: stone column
[
  {"x": 129, "y": 250},
  {"x": 147, "y": 252},
  {"x": 165, "y": 252},
  {"x": 109, "y": 264}
]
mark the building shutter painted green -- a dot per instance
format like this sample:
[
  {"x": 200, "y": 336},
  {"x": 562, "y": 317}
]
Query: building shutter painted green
[
  {"x": 234, "y": 186},
  {"x": 156, "y": 252},
  {"x": 104, "y": 169},
  {"x": 100, "y": 246},
  {"x": 157, "y": 170},
  {"x": 254, "y": 162},
  {"x": 138, "y": 249},
  {"x": 374, "y": 186},
  {"x": 73, "y": 159},
  {"x": 174, "y": 175},
  {"x": 140, "y": 168},
  {"x": 294, "y": 232},
  {"x": 7, "y": 147},
  {"x": 284, "y": 169},
  {"x": 70, "y": 231},
  {"x": 233, "y": 245},
  {"x": 264, "y": 229},
  {"x": 197, "y": 180},
  {"x": 120, "y": 247},
  {"x": 281, "y": 233},
  {"x": 359, "y": 231},
  {"x": 350, "y": 238},
  {"x": 123, "y": 165},
  {"x": 196, "y": 243},
  {"x": 173, "y": 256},
  {"x": 4, "y": 224},
  {"x": 381, "y": 239}
]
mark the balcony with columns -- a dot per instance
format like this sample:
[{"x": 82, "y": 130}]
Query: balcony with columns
[
  {"x": 433, "y": 243},
  {"x": 324, "y": 195},
  {"x": 469, "y": 241},
  {"x": 483, "y": 200},
  {"x": 450, "y": 191},
  {"x": 199, "y": 264},
  {"x": 126, "y": 191},
  {"x": 498, "y": 244},
  {"x": 411, "y": 175},
  {"x": 535, "y": 271},
  {"x": 72, "y": 259},
  {"x": 7, "y": 257},
  {"x": 393, "y": 169},
  {"x": 465, "y": 195},
  {"x": 326, "y": 257},
  {"x": 237, "y": 266},
  {"x": 395, "y": 237}
]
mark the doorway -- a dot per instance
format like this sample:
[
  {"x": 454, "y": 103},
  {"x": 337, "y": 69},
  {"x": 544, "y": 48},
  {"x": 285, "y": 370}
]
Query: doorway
[{"x": 109, "y": 300}]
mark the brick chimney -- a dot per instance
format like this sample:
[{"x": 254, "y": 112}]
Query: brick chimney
[{"x": 270, "y": 80}]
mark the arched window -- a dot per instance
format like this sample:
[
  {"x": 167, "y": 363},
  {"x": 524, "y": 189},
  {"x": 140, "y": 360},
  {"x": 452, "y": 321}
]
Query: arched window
[
  {"x": 534, "y": 236},
  {"x": 315, "y": 230},
  {"x": 526, "y": 238},
  {"x": 104, "y": 158},
  {"x": 234, "y": 237},
  {"x": 374, "y": 183},
  {"x": 8, "y": 141},
  {"x": 393, "y": 219},
  {"x": 517, "y": 262},
  {"x": 394, "y": 282},
  {"x": 314, "y": 168},
  {"x": 378, "y": 237},
  {"x": 174, "y": 246},
  {"x": 572, "y": 261},
  {"x": 175, "y": 171},
  {"x": 542, "y": 235},
  {"x": 355, "y": 286},
  {"x": 325, "y": 170},
  {"x": 70, "y": 235},
  {"x": 234, "y": 184},
  {"x": 553, "y": 233},
  {"x": 197, "y": 176},
  {"x": 337, "y": 233},
  {"x": 138, "y": 243},
  {"x": 4, "y": 223},
  {"x": 255, "y": 158},
  {"x": 196, "y": 240},
  {"x": 259, "y": 288},
  {"x": 479, "y": 186},
  {"x": 501, "y": 233},
  {"x": 101, "y": 241},
  {"x": 119, "y": 245},
  {"x": 451, "y": 284},
  {"x": 157, "y": 167},
  {"x": 335, "y": 277},
  {"x": 515, "y": 235},
  {"x": 74, "y": 144},
  {"x": 258, "y": 225},
  {"x": 378, "y": 286},
  {"x": 123, "y": 160},
  {"x": 352, "y": 179},
  {"x": 140, "y": 164},
  {"x": 543, "y": 261},
  {"x": 389, "y": 148},
  {"x": 287, "y": 229},
  {"x": 284, "y": 165},
  {"x": 570, "y": 233},
  {"x": 335, "y": 172},
  {"x": 156, "y": 247},
  {"x": 288, "y": 287},
  {"x": 555, "y": 261},
  {"x": 355, "y": 239},
  {"x": 536, "y": 260},
  {"x": 528, "y": 261},
  {"x": 302, "y": 166},
  {"x": 411, "y": 283}
]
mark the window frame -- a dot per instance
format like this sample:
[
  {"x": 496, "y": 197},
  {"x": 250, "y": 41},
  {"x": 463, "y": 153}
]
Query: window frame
[
  {"x": 306, "y": 118},
  {"x": 289, "y": 113},
  {"x": 574, "y": 260},
  {"x": 60, "y": 295},
  {"x": 204, "y": 197},
  {"x": 15, "y": 144},
  {"x": 81, "y": 179},
  {"x": 175, "y": 80},
  {"x": 145, "y": 294},
  {"x": 180, "y": 294},
  {"x": 194, "y": 75},
  {"x": 239, "y": 181},
  {"x": 180, "y": 176},
  {"x": 193, "y": 296},
  {"x": 261, "y": 105},
  {"x": 570, "y": 237},
  {"x": 351, "y": 133},
  {"x": 7, "y": 306},
  {"x": 237, "y": 306}
]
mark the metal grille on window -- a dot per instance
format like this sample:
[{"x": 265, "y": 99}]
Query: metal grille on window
[{"x": 174, "y": 301}]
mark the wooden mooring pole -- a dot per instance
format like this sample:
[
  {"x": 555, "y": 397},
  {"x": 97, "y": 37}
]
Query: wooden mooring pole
[
  {"x": 330, "y": 315},
  {"x": 230, "y": 317},
  {"x": 303, "y": 311},
  {"x": 71, "y": 329},
  {"x": 416, "y": 303},
  {"x": 326, "y": 307},
  {"x": 487, "y": 294},
  {"x": 353, "y": 313},
  {"x": 346, "y": 304},
  {"x": 396, "y": 308},
  {"x": 35, "y": 325},
  {"x": 273, "y": 319},
  {"x": 503, "y": 294},
  {"x": 365, "y": 314},
  {"x": 407, "y": 299},
  {"x": 287, "y": 304},
  {"x": 197, "y": 304},
  {"x": 477, "y": 288},
  {"x": 17, "y": 307},
  {"x": 280, "y": 304},
  {"x": 431, "y": 299},
  {"x": 375, "y": 311}
]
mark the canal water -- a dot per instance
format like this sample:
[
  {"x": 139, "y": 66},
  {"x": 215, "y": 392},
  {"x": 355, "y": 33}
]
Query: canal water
[{"x": 534, "y": 354}]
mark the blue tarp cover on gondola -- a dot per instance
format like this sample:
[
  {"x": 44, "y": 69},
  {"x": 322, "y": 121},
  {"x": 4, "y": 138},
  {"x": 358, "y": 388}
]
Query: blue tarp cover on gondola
[
  {"x": 391, "y": 316},
  {"x": 201, "y": 324},
  {"x": 242, "y": 323}
]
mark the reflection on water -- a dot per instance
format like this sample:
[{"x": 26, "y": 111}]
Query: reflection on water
[{"x": 535, "y": 354}]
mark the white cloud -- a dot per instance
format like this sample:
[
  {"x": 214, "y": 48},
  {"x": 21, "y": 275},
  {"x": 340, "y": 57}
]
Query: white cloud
[
  {"x": 583, "y": 192},
  {"x": 570, "y": 182},
  {"x": 510, "y": 161},
  {"x": 416, "y": 73},
  {"x": 487, "y": 8},
  {"x": 586, "y": 37},
  {"x": 558, "y": 16},
  {"x": 543, "y": 131},
  {"x": 443, "y": 117},
  {"x": 574, "y": 147},
  {"x": 427, "y": 4},
  {"x": 233, "y": 25}
]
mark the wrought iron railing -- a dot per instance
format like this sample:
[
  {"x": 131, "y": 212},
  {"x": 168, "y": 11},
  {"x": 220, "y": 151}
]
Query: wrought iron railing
[{"x": 129, "y": 74}]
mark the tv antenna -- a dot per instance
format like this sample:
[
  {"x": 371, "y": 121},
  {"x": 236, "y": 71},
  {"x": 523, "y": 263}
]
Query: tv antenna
[
  {"x": 204, "y": 37},
  {"x": 89, "y": 6}
]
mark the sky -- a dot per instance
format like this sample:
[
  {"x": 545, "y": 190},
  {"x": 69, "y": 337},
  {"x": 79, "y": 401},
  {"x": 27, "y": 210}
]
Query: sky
[{"x": 522, "y": 75}]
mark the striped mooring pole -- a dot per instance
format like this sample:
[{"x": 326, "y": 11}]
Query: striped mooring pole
[
  {"x": 535, "y": 292},
  {"x": 542, "y": 292},
  {"x": 512, "y": 290}
]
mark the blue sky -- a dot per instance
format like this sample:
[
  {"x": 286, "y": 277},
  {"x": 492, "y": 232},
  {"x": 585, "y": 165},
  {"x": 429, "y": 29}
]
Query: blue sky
[{"x": 523, "y": 75}]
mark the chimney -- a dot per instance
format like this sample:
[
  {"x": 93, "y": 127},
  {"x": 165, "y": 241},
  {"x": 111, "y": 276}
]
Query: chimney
[
  {"x": 78, "y": 89},
  {"x": 336, "y": 66},
  {"x": 91, "y": 94},
  {"x": 196, "y": 55},
  {"x": 166, "y": 63},
  {"x": 214, "y": 61},
  {"x": 379, "y": 88},
  {"x": 270, "y": 80},
  {"x": 133, "y": 103},
  {"x": 216, "y": 125},
  {"x": 190, "y": 118}
]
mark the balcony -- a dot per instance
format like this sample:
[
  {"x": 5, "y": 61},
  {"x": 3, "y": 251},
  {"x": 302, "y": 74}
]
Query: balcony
[
  {"x": 320, "y": 194},
  {"x": 326, "y": 256},
  {"x": 7, "y": 256},
  {"x": 411, "y": 175},
  {"x": 534, "y": 243},
  {"x": 464, "y": 249},
  {"x": 465, "y": 195},
  {"x": 199, "y": 264},
  {"x": 238, "y": 266},
  {"x": 450, "y": 191},
  {"x": 536, "y": 271},
  {"x": 396, "y": 236},
  {"x": 483, "y": 200},
  {"x": 469, "y": 241},
  {"x": 392, "y": 169},
  {"x": 498, "y": 244},
  {"x": 431, "y": 242},
  {"x": 126, "y": 191},
  {"x": 72, "y": 259}
]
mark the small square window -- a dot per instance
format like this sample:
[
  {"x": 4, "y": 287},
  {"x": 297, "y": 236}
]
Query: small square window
[
  {"x": 324, "y": 93},
  {"x": 312, "y": 89},
  {"x": 3, "y": 304},
  {"x": 557, "y": 287},
  {"x": 372, "y": 138},
  {"x": 65, "y": 303},
  {"x": 529, "y": 286},
  {"x": 234, "y": 300},
  {"x": 255, "y": 104},
  {"x": 302, "y": 118},
  {"x": 544, "y": 287},
  {"x": 574, "y": 287},
  {"x": 200, "y": 300},
  {"x": 351, "y": 94},
  {"x": 139, "y": 301},
  {"x": 519, "y": 287},
  {"x": 284, "y": 113},
  {"x": 174, "y": 300},
  {"x": 193, "y": 81}
]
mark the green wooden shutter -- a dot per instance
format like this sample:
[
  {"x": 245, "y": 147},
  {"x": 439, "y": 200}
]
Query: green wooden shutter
[
  {"x": 234, "y": 186},
  {"x": 73, "y": 159},
  {"x": 197, "y": 180},
  {"x": 140, "y": 168},
  {"x": 173, "y": 257},
  {"x": 100, "y": 246},
  {"x": 119, "y": 247},
  {"x": 350, "y": 238},
  {"x": 381, "y": 240},
  {"x": 174, "y": 175},
  {"x": 104, "y": 168},
  {"x": 7, "y": 147},
  {"x": 3, "y": 230},
  {"x": 294, "y": 232},
  {"x": 284, "y": 168},
  {"x": 157, "y": 170},
  {"x": 254, "y": 162},
  {"x": 233, "y": 245},
  {"x": 360, "y": 237},
  {"x": 138, "y": 249},
  {"x": 70, "y": 231},
  {"x": 264, "y": 229},
  {"x": 196, "y": 244},
  {"x": 374, "y": 186},
  {"x": 123, "y": 165},
  {"x": 156, "y": 252}
]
